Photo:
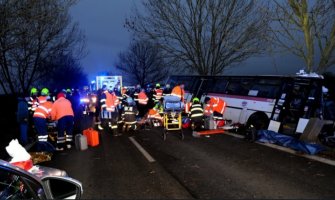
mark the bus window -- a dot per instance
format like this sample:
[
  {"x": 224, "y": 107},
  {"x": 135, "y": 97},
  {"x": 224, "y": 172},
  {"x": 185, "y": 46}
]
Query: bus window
[
  {"x": 239, "y": 87},
  {"x": 266, "y": 90},
  {"x": 216, "y": 86}
]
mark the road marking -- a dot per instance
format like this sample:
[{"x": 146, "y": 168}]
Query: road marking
[
  {"x": 142, "y": 150},
  {"x": 287, "y": 150}
]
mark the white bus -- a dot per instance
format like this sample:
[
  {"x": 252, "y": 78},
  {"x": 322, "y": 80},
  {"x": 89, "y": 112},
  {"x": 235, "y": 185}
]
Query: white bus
[{"x": 254, "y": 101}]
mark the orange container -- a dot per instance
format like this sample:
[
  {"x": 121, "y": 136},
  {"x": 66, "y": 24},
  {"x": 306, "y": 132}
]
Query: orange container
[{"x": 92, "y": 137}]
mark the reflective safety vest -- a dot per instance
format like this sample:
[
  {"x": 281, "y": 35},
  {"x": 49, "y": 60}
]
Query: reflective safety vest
[
  {"x": 218, "y": 104},
  {"x": 196, "y": 110},
  {"x": 43, "y": 110},
  {"x": 178, "y": 92},
  {"x": 142, "y": 98},
  {"x": 158, "y": 93},
  {"x": 42, "y": 99},
  {"x": 111, "y": 102},
  {"x": 32, "y": 104}
]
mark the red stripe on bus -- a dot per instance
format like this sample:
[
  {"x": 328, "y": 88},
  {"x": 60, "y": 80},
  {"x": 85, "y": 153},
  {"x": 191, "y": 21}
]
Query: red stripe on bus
[{"x": 242, "y": 97}]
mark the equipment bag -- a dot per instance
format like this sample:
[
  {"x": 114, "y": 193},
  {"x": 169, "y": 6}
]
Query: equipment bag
[{"x": 92, "y": 137}]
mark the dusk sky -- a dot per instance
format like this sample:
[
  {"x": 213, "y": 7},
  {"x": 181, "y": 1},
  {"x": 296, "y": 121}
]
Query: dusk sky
[{"x": 102, "y": 22}]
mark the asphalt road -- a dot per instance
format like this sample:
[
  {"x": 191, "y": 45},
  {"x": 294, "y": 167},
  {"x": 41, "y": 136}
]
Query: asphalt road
[{"x": 220, "y": 166}]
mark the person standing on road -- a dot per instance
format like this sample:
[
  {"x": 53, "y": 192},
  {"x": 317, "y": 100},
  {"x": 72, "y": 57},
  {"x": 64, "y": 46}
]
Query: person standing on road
[
  {"x": 22, "y": 119},
  {"x": 109, "y": 113},
  {"x": 63, "y": 113},
  {"x": 179, "y": 92},
  {"x": 157, "y": 93},
  {"x": 41, "y": 114},
  {"x": 142, "y": 103}
]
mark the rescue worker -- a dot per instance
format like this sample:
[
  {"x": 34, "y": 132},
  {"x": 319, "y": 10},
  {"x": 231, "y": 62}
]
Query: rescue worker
[
  {"x": 196, "y": 114},
  {"x": 157, "y": 93},
  {"x": 129, "y": 115},
  {"x": 33, "y": 101},
  {"x": 215, "y": 106},
  {"x": 156, "y": 114},
  {"x": 137, "y": 91},
  {"x": 62, "y": 112},
  {"x": 142, "y": 103},
  {"x": 109, "y": 112},
  {"x": 41, "y": 114},
  {"x": 178, "y": 91}
]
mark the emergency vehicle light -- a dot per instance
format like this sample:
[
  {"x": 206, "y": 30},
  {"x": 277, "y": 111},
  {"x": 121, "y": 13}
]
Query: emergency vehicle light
[{"x": 84, "y": 100}]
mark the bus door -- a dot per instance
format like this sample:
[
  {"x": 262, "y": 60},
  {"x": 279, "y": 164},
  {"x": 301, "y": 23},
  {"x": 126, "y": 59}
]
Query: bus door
[{"x": 299, "y": 102}]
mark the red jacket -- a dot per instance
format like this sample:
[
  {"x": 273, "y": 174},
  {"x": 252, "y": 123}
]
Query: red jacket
[{"x": 61, "y": 108}]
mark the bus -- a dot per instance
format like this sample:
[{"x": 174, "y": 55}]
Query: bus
[{"x": 280, "y": 103}]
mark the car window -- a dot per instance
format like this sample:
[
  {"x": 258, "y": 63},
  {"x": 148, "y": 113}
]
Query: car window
[{"x": 12, "y": 186}]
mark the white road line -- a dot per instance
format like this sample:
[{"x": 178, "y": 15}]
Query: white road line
[
  {"x": 287, "y": 150},
  {"x": 142, "y": 150}
]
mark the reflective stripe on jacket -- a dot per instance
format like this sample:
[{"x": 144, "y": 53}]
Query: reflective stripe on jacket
[
  {"x": 43, "y": 110},
  {"x": 60, "y": 108}
]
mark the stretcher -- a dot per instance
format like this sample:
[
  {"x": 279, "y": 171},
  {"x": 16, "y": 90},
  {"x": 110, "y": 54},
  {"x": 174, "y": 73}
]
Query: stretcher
[{"x": 172, "y": 118}]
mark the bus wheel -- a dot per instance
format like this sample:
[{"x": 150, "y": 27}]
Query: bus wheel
[{"x": 257, "y": 121}]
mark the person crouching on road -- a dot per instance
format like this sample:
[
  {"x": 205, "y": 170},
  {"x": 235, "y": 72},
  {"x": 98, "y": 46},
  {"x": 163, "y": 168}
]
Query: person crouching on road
[
  {"x": 41, "y": 114},
  {"x": 63, "y": 113},
  {"x": 196, "y": 114}
]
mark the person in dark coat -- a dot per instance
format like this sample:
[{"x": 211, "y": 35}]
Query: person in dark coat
[{"x": 22, "y": 119}]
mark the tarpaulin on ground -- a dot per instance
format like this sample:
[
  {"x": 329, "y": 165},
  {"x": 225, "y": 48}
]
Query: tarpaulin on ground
[{"x": 272, "y": 137}]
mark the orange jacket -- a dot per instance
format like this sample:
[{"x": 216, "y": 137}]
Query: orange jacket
[
  {"x": 178, "y": 92},
  {"x": 60, "y": 108},
  {"x": 43, "y": 110},
  {"x": 111, "y": 102},
  {"x": 188, "y": 106},
  {"x": 142, "y": 98},
  {"x": 42, "y": 99},
  {"x": 217, "y": 104},
  {"x": 153, "y": 113}
]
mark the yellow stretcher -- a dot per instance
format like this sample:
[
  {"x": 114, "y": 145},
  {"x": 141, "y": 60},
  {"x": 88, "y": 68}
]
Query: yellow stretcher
[{"x": 172, "y": 122}]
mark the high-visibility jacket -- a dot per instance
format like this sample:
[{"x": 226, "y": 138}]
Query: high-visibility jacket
[
  {"x": 178, "y": 92},
  {"x": 42, "y": 99},
  {"x": 32, "y": 104},
  {"x": 219, "y": 105},
  {"x": 158, "y": 94},
  {"x": 43, "y": 110},
  {"x": 61, "y": 108},
  {"x": 197, "y": 110},
  {"x": 215, "y": 104},
  {"x": 153, "y": 113},
  {"x": 109, "y": 101},
  {"x": 142, "y": 98}
]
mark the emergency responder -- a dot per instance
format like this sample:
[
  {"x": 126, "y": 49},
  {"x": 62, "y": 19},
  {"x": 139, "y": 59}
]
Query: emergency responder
[
  {"x": 157, "y": 93},
  {"x": 33, "y": 101},
  {"x": 109, "y": 112},
  {"x": 156, "y": 113},
  {"x": 74, "y": 98},
  {"x": 215, "y": 106},
  {"x": 142, "y": 103},
  {"x": 137, "y": 91},
  {"x": 167, "y": 90},
  {"x": 62, "y": 112},
  {"x": 129, "y": 115},
  {"x": 41, "y": 114},
  {"x": 178, "y": 91},
  {"x": 196, "y": 114}
]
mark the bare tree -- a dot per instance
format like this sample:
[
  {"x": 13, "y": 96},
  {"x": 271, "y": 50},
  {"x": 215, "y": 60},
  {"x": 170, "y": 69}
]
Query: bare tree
[
  {"x": 143, "y": 63},
  {"x": 66, "y": 73},
  {"x": 32, "y": 33},
  {"x": 205, "y": 35},
  {"x": 307, "y": 30}
]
